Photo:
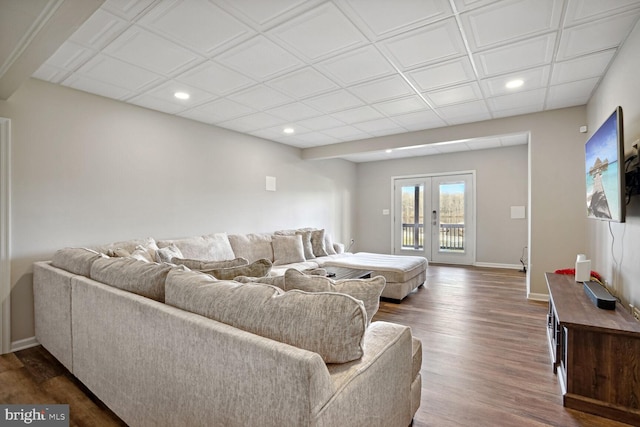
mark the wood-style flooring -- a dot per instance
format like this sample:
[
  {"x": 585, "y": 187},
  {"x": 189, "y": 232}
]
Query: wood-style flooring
[{"x": 485, "y": 358}]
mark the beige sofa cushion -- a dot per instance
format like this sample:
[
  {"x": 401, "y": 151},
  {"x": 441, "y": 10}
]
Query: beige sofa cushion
[
  {"x": 306, "y": 244},
  {"x": 277, "y": 281},
  {"x": 259, "y": 268},
  {"x": 76, "y": 260},
  {"x": 212, "y": 247},
  {"x": 197, "y": 264},
  {"x": 139, "y": 277},
  {"x": 287, "y": 249},
  {"x": 366, "y": 290},
  {"x": 252, "y": 246},
  {"x": 317, "y": 242},
  {"x": 330, "y": 324}
]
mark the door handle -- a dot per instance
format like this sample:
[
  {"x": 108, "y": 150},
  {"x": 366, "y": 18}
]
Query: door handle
[{"x": 434, "y": 218}]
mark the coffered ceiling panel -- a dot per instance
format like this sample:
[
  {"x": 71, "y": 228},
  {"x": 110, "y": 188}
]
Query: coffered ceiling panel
[{"x": 340, "y": 70}]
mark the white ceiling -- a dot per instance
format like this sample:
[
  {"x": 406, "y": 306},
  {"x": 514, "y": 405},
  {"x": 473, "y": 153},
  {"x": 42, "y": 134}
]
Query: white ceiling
[{"x": 344, "y": 70}]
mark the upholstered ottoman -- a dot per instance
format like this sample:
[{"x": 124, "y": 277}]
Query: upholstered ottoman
[{"x": 403, "y": 273}]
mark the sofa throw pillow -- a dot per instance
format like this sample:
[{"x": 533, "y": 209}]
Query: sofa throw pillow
[
  {"x": 196, "y": 264},
  {"x": 168, "y": 253},
  {"x": 252, "y": 246},
  {"x": 317, "y": 242},
  {"x": 212, "y": 247},
  {"x": 259, "y": 268},
  {"x": 287, "y": 249},
  {"x": 142, "y": 254},
  {"x": 366, "y": 290},
  {"x": 306, "y": 244},
  {"x": 142, "y": 278},
  {"x": 76, "y": 260},
  {"x": 125, "y": 247},
  {"x": 330, "y": 324},
  {"x": 328, "y": 244},
  {"x": 277, "y": 281}
]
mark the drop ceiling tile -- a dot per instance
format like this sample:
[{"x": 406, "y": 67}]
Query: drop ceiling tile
[
  {"x": 346, "y": 133},
  {"x": 517, "y": 111},
  {"x": 465, "y": 113},
  {"x": 388, "y": 131},
  {"x": 218, "y": 111},
  {"x": 51, "y": 74},
  {"x": 401, "y": 106},
  {"x": 334, "y": 101},
  {"x": 464, "y": 93},
  {"x": 570, "y": 94},
  {"x": 197, "y": 24},
  {"x": 382, "y": 89},
  {"x": 157, "y": 104},
  {"x": 265, "y": 14},
  {"x": 318, "y": 33},
  {"x": 510, "y": 20},
  {"x": 85, "y": 84},
  {"x": 464, "y": 5},
  {"x": 259, "y": 58},
  {"x": 595, "y": 36},
  {"x": 302, "y": 83},
  {"x": 532, "y": 98},
  {"x": 261, "y": 97},
  {"x": 70, "y": 56},
  {"x": 320, "y": 123},
  {"x": 356, "y": 66},
  {"x": 580, "y": 11},
  {"x": 215, "y": 78},
  {"x": 530, "y": 53},
  {"x": 100, "y": 29},
  {"x": 118, "y": 73},
  {"x": 356, "y": 115},
  {"x": 278, "y": 131},
  {"x": 377, "y": 125},
  {"x": 384, "y": 18},
  {"x": 581, "y": 68},
  {"x": 419, "y": 120},
  {"x": 293, "y": 112},
  {"x": 434, "y": 42},
  {"x": 534, "y": 78},
  {"x": 252, "y": 122},
  {"x": 167, "y": 90},
  {"x": 147, "y": 50},
  {"x": 127, "y": 9},
  {"x": 443, "y": 74}
]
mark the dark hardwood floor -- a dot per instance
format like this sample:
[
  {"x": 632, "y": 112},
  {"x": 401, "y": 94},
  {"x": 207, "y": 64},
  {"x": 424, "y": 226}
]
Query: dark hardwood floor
[{"x": 485, "y": 358}]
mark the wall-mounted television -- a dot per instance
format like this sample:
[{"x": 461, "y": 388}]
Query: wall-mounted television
[{"x": 604, "y": 167}]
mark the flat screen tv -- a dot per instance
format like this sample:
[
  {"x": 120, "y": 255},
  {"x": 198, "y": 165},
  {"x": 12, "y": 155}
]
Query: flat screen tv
[{"x": 605, "y": 170}]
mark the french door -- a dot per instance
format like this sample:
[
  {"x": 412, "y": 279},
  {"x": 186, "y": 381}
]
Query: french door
[{"x": 434, "y": 217}]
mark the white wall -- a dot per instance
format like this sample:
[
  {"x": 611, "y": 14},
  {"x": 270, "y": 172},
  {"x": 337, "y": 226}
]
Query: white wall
[
  {"x": 90, "y": 170},
  {"x": 621, "y": 86},
  {"x": 501, "y": 182}
]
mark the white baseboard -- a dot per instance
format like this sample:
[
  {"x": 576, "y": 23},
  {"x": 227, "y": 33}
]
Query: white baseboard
[
  {"x": 495, "y": 265},
  {"x": 24, "y": 344},
  {"x": 538, "y": 297}
]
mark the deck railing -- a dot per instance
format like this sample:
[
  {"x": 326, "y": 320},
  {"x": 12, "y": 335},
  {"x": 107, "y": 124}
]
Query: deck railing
[{"x": 451, "y": 236}]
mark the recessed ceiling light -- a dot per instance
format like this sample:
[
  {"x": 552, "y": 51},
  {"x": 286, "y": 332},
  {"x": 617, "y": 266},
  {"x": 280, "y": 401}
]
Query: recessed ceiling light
[
  {"x": 513, "y": 84},
  {"x": 388, "y": 151},
  {"x": 181, "y": 95},
  {"x": 288, "y": 131}
]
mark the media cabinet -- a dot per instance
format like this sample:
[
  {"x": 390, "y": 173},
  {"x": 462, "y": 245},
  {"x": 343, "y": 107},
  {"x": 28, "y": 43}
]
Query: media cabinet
[{"x": 595, "y": 352}]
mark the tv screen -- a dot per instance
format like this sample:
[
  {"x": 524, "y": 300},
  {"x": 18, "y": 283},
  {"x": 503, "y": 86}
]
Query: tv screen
[{"x": 605, "y": 171}]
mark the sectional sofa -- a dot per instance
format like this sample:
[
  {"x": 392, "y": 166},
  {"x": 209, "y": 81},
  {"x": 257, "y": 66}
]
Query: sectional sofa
[{"x": 162, "y": 344}]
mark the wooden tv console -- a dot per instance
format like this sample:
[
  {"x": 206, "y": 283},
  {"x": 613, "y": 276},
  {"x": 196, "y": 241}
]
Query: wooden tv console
[{"x": 597, "y": 352}]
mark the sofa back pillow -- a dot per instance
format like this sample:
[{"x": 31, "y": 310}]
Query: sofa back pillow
[
  {"x": 287, "y": 249},
  {"x": 330, "y": 324},
  {"x": 252, "y": 246},
  {"x": 139, "y": 277},
  {"x": 212, "y": 247},
  {"x": 196, "y": 264},
  {"x": 76, "y": 260},
  {"x": 366, "y": 290}
]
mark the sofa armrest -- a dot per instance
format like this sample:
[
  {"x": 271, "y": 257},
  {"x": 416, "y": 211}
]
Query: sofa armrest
[{"x": 386, "y": 365}]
